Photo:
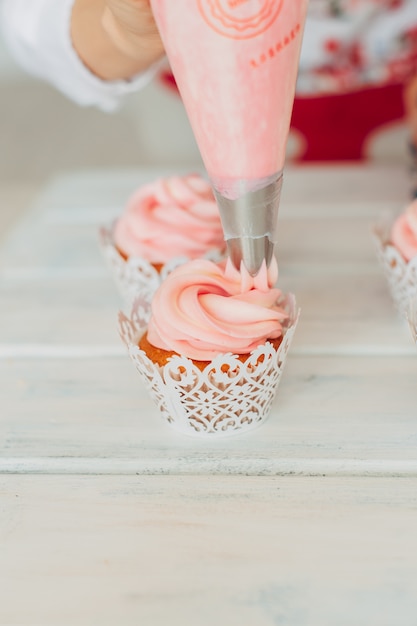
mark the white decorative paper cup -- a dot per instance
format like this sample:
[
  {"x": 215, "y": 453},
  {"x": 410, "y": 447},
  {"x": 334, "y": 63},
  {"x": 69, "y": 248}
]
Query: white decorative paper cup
[
  {"x": 136, "y": 277},
  {"x": 412, "y": 317},
  {"x": 228, "y": 397},
  {"x": 400, "y": 274}
]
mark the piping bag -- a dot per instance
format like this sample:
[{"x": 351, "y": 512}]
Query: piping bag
[{"x": 235, "y": 63}]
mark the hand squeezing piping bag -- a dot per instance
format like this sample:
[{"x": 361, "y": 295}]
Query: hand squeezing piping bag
[{"x": 235, "y": 63}]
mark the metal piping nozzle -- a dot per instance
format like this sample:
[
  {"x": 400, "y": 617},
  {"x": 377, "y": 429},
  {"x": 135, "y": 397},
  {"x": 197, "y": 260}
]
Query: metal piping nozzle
[{"x": 250, "y": 224}]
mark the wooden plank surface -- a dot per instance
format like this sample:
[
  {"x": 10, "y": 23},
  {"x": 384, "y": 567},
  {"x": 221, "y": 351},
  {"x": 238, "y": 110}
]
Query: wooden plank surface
[
  {"x": 349, "y": 381},
  {"x": 186, "y": 550},
  {"x": 108, "y": 517},
  {"x": 330, "y": 416}
]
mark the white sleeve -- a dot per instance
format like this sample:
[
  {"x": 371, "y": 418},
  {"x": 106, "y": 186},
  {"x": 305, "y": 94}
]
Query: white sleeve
[{"x": 37, "y": 33}]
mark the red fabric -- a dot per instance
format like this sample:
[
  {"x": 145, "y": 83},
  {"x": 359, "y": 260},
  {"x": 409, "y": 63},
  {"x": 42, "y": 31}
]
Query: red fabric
[{"x": 337, "y": 127}]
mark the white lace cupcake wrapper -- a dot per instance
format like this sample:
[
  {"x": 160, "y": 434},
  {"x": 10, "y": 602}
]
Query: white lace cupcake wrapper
[
  {"x": 136, "y": 277},
  {"x": 412, "y": 317},
  {"x": 401, "y": 276},
  {"x": 227, "y": 398}
]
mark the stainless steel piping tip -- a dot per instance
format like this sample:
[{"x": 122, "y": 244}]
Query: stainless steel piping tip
[
  {"x": 250, "y": 224},
  {"x": 251, "y": 252}
]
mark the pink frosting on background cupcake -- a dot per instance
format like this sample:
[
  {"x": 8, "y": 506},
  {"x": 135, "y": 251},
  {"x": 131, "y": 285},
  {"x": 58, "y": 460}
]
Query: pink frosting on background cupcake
[{"x": 170, "y": 217}]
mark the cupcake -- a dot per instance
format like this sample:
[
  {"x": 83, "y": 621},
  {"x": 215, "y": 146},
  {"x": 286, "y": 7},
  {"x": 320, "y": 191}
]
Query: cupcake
[
  {"x": 396, "y": 242},
  {"x": 214, "y": 350},
  {"x": 165, "y": 223}
]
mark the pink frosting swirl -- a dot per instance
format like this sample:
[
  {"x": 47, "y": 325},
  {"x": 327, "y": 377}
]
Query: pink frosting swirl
[
  {"x": 175, "y": 216},
  {"x": 404, "y": 232},
  {"x": 204, "y": 309}
]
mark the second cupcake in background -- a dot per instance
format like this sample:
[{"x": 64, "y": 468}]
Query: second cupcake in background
[
  {"x": 396, "y": 242},
  {"x": 165, "y": 223}
]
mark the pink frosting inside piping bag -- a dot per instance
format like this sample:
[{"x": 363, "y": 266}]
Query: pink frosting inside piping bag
[
  {"x": 204, "y": 309},
  {"x": 175, "y": 216},
  {"x": 235, "y": 64},
  {"x": 404, "y": 232}
]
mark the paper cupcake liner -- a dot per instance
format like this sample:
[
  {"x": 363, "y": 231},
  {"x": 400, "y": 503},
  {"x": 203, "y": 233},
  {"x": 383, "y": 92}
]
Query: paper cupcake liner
[
  {"x": 137, "y": 277},
  {"x": 401, "y": 276},
  {"x": 227, "y": 398},
  {"x": 412, "y": 317}
]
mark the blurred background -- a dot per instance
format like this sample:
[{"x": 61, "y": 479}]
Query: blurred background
[{"x": 44, "y": 134}]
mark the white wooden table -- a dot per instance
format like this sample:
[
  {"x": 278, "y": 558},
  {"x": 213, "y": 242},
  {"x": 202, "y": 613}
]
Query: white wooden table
[{"x": 108, "y": 517}]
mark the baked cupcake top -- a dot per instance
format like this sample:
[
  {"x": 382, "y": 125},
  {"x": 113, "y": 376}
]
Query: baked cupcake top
[
  {"x": 203, "y": 309},
  {"x": 404, "y": 232},
  {"x": 170, "y": 217}
]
